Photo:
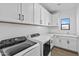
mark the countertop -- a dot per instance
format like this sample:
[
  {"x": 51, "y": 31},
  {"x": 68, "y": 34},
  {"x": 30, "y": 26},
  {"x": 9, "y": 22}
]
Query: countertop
[
  {"x": 68, "y": 35},
  {"x": 43, "y": 37},
  {"x": 46, "y": 37}
]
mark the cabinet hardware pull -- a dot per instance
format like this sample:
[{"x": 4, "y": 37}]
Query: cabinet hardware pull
[
  {"x": 19, "y": 16},
  {"x": 59, "y": 40},
  {"x": 40, "y": 21},
  {"x": 22, "y": 17},
  {"x": 68, "y": 42}
]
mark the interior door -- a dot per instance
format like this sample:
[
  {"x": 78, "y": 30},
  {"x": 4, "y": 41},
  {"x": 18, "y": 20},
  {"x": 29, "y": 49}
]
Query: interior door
[{"x": 9, "y": 11}]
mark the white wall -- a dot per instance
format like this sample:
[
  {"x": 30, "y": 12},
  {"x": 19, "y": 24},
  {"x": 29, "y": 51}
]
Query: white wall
[
  {"x": 65, "y": 14},
  {"x": 14, "y": 30}
]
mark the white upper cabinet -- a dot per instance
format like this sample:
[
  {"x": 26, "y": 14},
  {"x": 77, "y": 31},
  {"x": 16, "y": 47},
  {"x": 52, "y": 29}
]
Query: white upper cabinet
[
  {"x": 48, "y": 19},
  {"x": 9, "y": 11},
  {"x": 27, "y": 12},
  {"x": 45, "y": 16},
  {"x": 55, "y": 19},
  {"x": 30, "y": 13},
  {"x": 37, "y": 13},
  {"x": 16, "y": 12},
  {"x": 42, "y": 20}
]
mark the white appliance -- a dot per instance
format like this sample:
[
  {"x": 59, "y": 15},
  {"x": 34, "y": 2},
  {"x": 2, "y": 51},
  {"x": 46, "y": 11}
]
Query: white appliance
[
  {"x": 26, "y": 48},
  {"x": 31, "y": 51},
  {"x": 43, "y": 41}
]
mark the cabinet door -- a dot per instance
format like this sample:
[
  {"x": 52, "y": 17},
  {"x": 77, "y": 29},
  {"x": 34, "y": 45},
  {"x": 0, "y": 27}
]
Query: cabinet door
[
  {"x": 46, "y": 18},
  {"x": 52, "y": 42},
  {"x": 43, "y": 15},
  {"x": 36, "y": 13},
  {"x": 71, "y": 43},
  {"x": 57, "y": 41},
  {"x": 60, "y": 42},
  {"x": 49, "y": 19},
  {"x": 9, "y": 11},
  {"x": 27, "y": 12},
  {"x": 55, "y": 19},
  {"x": 63, "y": 42}
]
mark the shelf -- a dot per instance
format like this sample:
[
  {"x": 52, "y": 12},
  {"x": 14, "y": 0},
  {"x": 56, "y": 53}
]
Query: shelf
[{"x": 23, "y": 23}]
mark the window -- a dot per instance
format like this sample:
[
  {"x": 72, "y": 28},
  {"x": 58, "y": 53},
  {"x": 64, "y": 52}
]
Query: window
[{"x": 65, "y": 24}]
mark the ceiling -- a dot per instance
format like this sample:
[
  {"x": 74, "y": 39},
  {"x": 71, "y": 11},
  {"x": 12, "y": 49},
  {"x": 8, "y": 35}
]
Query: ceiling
[{"x": 56, "y": 7}]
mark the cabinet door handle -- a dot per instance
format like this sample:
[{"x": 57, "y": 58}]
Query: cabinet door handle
[
  {"x": 19, "y": 16},
  {"x": 22, "y": 17},
  {"x": 68, "y": 42},
  {"x": 40, "y": 21},
  {"x": 59, "y": 40}
]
